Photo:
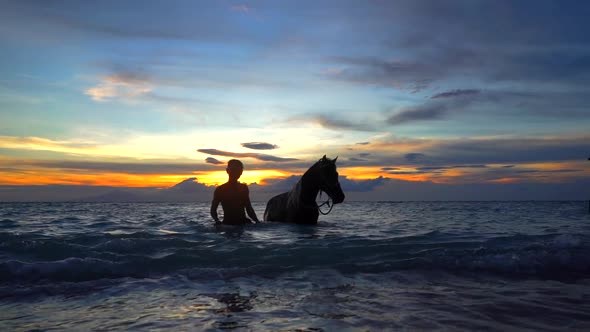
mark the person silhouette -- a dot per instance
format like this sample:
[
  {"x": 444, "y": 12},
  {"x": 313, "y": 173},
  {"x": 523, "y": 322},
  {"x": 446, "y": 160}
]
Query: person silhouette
[{"x": 234, "y": 198}]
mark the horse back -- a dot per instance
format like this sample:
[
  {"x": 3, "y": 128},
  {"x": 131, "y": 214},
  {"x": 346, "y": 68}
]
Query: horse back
[{"x": 276, "y": 208}]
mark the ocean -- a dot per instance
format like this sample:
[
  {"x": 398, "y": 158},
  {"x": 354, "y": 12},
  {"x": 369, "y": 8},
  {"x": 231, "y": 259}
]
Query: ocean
[{"x": 367, "y": 266}]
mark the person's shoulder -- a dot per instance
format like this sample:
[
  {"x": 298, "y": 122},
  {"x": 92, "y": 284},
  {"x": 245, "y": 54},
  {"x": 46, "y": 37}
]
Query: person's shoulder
[{"x": 221, "y": 187}]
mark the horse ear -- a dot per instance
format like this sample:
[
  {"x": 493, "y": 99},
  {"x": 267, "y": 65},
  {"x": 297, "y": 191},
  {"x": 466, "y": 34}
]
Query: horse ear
[
  {"x": 335, "y": 159},
  {"x": 324, "y": 157}
]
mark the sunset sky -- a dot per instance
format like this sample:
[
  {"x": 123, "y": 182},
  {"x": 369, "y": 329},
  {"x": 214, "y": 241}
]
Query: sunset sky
[{"x": 150, "y": 93}]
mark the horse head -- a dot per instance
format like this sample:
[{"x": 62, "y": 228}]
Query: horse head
[{"x": 328, "y": 179}]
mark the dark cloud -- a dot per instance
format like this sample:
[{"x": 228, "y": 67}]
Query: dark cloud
[
  {"x": 455, "y": 93},
  {"x": 278, "y": 186},
  {"x": 442, "y": 107},
  {"x": 259, "y": 156},
  {"x": 525, "y": 42},
  {"x": 357, "y": 159},
  {"x": 407, "y": 75},
  {"x": 260, "y": 146},
  {"x": 171, "y": 22},
  {"x": 363, "y": 143},
  {"x": 412, "y": 157},
  {"x": 146, "y": 167},
  {"x": 510, "y": 150},
  {"x": 333, "y": 122},
  {"x": 211, "y": 160},
  {"x": 349, "y": 185},
  {"x": 419, "y": 113},
  {"x": 436, "y": 168},
  {"x": 405, "y": 172},
  {"x": 514, "y": 104}
]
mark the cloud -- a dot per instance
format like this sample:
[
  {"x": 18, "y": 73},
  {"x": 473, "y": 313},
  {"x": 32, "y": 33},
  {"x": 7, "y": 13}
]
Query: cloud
[
  {"x": 519, "y": 43},
  {"x": 413, "y": 157},
  {"x": 259, "y": 146},
  {"x": 495, "y": 150},
  {"x": 181, "y": 22},
  {"x": 279, "y": 185},
  {"x": 399, "y": 74},
  {"x": 435, "y": 168},
  {"x": 259, "y": 156},
  {"x": 434, "y": 111},
  {"x": 349, "y": 185},
  {"x": 144, "y": 167},
  {"x": 455, "y": 93},
  {"x": 48, "y": 145},
  {"x": 329, "y": 121},
  {"x": 438, "y": 107},
  {"x": 515, "y": 104},
  {"x": 399, "y": 153},
  {"x": 211, "y": 160},
  {"x": 120, "y": 85},
  {"x": 241, "y": 8}
]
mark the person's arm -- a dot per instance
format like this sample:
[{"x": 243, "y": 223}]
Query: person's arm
[
  {"x": 214, "y": 205},
  {"x": 250, "y": 209}
]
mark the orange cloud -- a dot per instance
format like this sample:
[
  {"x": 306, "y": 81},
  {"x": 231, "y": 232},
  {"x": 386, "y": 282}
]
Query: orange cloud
[
  {"x": 43, "y": 177},
  {"x": 506, "y": 180}
]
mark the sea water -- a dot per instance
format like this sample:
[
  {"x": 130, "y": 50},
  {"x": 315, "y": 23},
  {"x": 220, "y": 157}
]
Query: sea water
[{"x": 366, "y": 266}]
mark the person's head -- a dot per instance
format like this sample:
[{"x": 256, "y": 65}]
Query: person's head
[{"x": 234, "y": 169}]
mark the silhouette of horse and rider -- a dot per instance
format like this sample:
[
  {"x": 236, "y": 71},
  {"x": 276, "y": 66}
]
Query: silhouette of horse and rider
[{"x": 295, "y": 206}]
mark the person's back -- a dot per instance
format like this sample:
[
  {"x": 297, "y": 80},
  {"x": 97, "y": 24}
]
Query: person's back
[{"x": 234, "y": 198}]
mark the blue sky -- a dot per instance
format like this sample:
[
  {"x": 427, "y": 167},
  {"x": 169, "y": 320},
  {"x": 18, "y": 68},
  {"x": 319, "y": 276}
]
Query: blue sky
[{"x": 453, "y": 92}]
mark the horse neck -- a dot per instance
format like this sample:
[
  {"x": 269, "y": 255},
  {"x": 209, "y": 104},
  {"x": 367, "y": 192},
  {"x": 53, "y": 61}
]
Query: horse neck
[
  {"x": 305, "y": 191},
  {"x": 309, "y": 187}
]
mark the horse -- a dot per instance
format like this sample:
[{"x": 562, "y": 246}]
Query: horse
[{"x": 299, "y": 205}]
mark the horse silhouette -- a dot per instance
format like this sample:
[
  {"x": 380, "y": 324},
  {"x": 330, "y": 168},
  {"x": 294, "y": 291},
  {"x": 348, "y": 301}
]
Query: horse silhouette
[{"x": 299, "y": 205}]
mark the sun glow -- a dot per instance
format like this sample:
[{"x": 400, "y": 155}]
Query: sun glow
[
  {"x": 35, "y": 177},
  {"x": 253, "y": 176}
]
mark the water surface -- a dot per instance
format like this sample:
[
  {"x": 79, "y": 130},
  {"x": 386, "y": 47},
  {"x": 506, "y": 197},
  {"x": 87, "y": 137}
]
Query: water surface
[{"x": 366, "y": 266}]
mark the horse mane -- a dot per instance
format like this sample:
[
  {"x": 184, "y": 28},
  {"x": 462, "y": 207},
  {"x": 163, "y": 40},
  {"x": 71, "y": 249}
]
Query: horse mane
[{"x": 293, "y": 197}]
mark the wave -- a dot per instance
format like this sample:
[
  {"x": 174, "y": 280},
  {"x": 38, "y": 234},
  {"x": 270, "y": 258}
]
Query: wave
[{"x": 26, "y": 258}]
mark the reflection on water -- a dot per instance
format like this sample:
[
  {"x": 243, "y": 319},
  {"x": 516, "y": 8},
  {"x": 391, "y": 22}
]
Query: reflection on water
[
  {"x": 234, "y": 302},
  {"x": 230, "y": 232}
]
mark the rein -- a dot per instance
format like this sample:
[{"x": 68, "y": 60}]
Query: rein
[{"x": 327, "y": 202}]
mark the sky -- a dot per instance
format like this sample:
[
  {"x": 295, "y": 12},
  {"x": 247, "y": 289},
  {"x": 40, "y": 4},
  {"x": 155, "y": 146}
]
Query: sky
[{"x": 419, "y": 100}]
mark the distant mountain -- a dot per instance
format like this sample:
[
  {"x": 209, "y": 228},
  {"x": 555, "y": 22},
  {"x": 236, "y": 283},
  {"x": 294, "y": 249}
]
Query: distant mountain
[{"x": 188, "y": 190}]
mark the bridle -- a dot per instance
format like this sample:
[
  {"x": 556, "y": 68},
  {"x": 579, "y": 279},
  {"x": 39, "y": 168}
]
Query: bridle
[{"x": 327, "y": 202}]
